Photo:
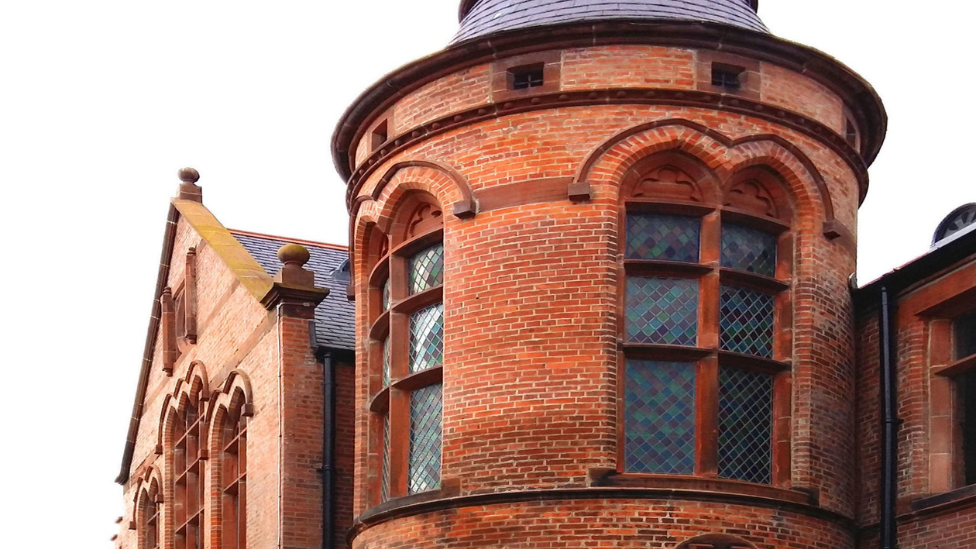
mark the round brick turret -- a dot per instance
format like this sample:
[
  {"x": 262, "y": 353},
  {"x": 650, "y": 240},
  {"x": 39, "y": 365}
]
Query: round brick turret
[{"x": 600, "y": 270}]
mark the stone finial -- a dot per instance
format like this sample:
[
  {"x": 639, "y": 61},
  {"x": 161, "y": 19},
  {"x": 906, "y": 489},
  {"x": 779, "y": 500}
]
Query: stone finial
[
  {"x": 293, "y": 254},
  {"x": 293, "y": 272},
  {"x": 188, "y": 186}
]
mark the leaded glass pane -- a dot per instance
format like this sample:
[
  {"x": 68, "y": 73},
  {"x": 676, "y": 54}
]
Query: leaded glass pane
[
  {"x": 663, "y": 237},
  {"x": 386, "y": 362},
  {"x": 745, "y": 425},
  {"x": 659, "y": 417},
  {"x": 746, "y": 321},
  {"x": 385, "y": 479},
  {"x": 662, "y": 310},
  {"x": 386, "y": 294},
  {"x": 749, "y": 250},
  {"x": 427, "y": 338},
  {"x": 424, "y": 467},
  {"x": 427, "y": 269}
]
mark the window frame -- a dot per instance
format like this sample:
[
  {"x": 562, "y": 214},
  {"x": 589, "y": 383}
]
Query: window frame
[
  {"x": 150, "y": 505},
  {"x": 709, "y": 205},
  {"x": 390, "y": 401},
  {"x": 189, "y": 474},
  {"x": 949, "y": 450},
  {"x": 233, "y": 488}
]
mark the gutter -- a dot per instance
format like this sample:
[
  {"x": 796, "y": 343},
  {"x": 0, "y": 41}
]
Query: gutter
[{"x": 147, "y": 354}]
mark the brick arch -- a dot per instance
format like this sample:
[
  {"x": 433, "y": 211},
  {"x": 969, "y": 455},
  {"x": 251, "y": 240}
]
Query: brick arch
[
  {"x": 804, "y": 182},
  {"x": 447, "y": 185},
  {"x": 236, "y": 390},
  {"x": 715, "y": 541},
  {"x": 611, "y": 160},
  {"x": 725, "y": 156}
]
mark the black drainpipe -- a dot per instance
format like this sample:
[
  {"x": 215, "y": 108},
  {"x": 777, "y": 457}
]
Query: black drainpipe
[
  {"x": 328, "y": 449},
  {"x": 889, "y": 436}
]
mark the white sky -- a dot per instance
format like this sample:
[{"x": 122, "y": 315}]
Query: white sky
[{"x": 101, "y": 102}]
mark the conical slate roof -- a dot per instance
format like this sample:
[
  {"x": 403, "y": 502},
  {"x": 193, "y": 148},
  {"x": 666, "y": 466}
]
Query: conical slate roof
[{"x": 485, "y": 17}]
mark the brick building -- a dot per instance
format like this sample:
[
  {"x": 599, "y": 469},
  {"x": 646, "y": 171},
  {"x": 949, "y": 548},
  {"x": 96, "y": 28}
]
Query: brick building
[{"x": 599, "y": 294}]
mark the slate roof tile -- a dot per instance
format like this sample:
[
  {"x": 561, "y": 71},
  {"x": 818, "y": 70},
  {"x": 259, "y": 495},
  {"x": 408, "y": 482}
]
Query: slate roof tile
[
  {"x": 335, "y": 316},
  {"x": 493, "y": 16}
]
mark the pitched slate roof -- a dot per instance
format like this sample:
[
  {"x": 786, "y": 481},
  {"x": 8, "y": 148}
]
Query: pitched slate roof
[
  {"x": 493, "y": 16},
  {"x": 335, "y": 316}
]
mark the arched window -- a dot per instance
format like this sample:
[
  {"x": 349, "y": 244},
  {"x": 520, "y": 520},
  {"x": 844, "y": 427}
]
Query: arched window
[
  {"x": 149, "y": 504},
  {"x": 189, "y": 453},
  {"x": 705, "y": 322},
  {"x": 406, "y": 351},
  {"x": 233, "y": 475}
]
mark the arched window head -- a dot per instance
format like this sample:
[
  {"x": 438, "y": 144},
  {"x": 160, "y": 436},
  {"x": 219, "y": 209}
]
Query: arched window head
[
  {"x": 233, "y": 475},
  {"x": 406, "y": 352},
  {"x": 189, "y": 454},
  {"x": 150, "y": 502},
  {"x": 759, "y": 192},
  {"x": 705, "y": 268}
]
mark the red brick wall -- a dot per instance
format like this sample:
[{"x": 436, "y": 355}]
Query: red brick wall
[
  {"x": 920, "y": 475},
  {"x": 530, "y": 299},
  {"x": 237, "y": 339},
  {"x": 617, "y": 523}
]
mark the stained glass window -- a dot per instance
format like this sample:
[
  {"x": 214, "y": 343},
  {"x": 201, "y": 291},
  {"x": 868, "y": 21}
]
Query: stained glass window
[
  {"x": 662, "y": 310},
  {"x": 386, "y": 294},
  {"x": 427, "y": 338},
  {"x": 663, "y": 237},
  {"x": 427, "y": 269},
  {"x": 424, "y": 464},
  {"x": 745, "y": 425},
  {"x": 385, "y": 475},
  {"x": 746, "y": 321},
  {"x": 659, "y": 417},
  {"x": 749, "y": 250},
  {"x": 386, "y": 361}
]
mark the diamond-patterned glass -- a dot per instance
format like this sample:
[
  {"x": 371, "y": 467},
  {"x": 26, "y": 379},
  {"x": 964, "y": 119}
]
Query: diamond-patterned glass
[
  {"x": 427, "y": 269},
  {"x": 663, "y": 237},
  {"x": 662, "y": 310},
  {"x": 427, "y": 338},
  {"x": 745, "y": 425},
  {"x": 746, "y": 321},
  {"x": 386, "y": 294},
  {"x": 385, "y": 479},
  {"x": 659, "y": 417},
  {"x": 424, "y": 467},
  {"x": 386, "y": 362},
  {"x": 749, "y": 250}
]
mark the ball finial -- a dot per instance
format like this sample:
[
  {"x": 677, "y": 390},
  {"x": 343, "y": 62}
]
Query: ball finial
[
  {"x": 293, "y": 254},
  {"x": 189, "y": 175}
]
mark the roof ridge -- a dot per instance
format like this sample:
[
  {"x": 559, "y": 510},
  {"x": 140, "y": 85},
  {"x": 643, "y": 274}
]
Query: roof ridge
[{"x": 302, "y": 241}]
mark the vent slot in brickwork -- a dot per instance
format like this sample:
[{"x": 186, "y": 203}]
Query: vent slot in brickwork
[
  {"x": 526, "y": 76},
  {"x": 727, "y": 76}
]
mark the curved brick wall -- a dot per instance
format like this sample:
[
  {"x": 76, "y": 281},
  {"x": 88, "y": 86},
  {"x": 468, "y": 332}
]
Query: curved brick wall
[{"x": 530, "y": 295}]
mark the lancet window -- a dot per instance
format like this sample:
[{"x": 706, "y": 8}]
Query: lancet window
[
  {"x": 705, "y": 318},
  {"x": 150, "y": 501},
  {"x": 233, "y": 473},
  {"x": 406, "y": 351},
  {"x": 189, "y": 455}
]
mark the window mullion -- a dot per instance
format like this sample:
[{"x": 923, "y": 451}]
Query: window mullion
[
  {"x": 782, "y": 419},
  {"x": 399, "y": 441},
  {"x": 706, "y": 404}
]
